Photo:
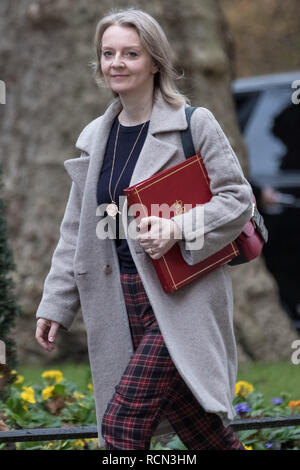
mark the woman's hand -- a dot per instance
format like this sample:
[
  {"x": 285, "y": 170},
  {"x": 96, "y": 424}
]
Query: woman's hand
[
  {"x": 163, "y": 234},
  {"x": 45, "y": 333}
]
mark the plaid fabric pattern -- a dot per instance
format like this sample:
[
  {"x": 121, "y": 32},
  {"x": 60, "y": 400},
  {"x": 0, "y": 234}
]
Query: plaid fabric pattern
[{"x": 151, "y": 387}]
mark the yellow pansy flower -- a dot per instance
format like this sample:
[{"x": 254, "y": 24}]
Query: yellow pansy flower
[
  {"x": 19, "y": 380},
  {"x": 28, "y": 395},
  {"x": 13, "y": 372},
  {"x": 79, "y": 443},
  {"x": 93, "y": 442},
  {"x": 91, "y": 387},
  {"x": 248, "y": 447},
  {"x": 78, "y": 395},
  {"x": 53, "y": 374},
  {"x": 243, "y": 388},
  {"x": 47, "y": 392}
]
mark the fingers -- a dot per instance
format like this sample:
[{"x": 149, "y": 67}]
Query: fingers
[
  {"x": 53, "y": 330},
  {"x": 144, "y": 225},
  {"x": 162, "y": 230},
  {"x": 177, "y": 232},
  {"x": 159, "y": 240},
  {"x": 41, "y": 327},
  {"x": 44, "y": 330},
  {"x": 151, "y": 228}
]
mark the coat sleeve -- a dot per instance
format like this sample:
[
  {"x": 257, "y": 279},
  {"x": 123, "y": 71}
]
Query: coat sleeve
[
  {"x": 60, "y": 300},
  {"x": 208, "y": 228}
]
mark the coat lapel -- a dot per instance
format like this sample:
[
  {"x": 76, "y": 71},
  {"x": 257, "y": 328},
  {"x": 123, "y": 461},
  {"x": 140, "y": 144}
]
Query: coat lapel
[
  {"x": 155, "y": 154},
  {"x": 77, "y": 168},
  {"x": 92, "y": 143}
]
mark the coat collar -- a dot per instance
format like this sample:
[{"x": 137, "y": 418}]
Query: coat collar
[
  {"x": 156, "y": 153},
  {"x": 164, "y": 118}
]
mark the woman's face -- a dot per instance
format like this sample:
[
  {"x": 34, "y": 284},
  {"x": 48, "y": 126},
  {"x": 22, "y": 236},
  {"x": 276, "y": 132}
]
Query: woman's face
[{"x": 126, "y": 65}]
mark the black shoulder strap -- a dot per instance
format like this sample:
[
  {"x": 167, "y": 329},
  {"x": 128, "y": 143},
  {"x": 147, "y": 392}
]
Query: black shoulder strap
[{"x": 186, "y": 136}]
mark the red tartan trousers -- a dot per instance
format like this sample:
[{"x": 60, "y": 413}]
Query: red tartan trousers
[{"x": 151, "y": 388}]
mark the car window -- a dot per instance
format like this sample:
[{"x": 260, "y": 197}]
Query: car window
[
  {"x": 272, "y": 134},
  {"x": 244, "y": 104}
]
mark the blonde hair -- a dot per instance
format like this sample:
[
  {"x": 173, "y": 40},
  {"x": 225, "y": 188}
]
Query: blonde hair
[{"x": 155, "y": 42}]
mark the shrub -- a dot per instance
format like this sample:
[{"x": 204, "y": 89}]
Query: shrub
[{"x": 8, "y": 307}]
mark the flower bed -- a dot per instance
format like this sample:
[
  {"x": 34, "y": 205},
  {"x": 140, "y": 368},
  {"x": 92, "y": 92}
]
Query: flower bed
[
  {"x": 56, "y": 402},
  {"x": 249, "y": 403}
]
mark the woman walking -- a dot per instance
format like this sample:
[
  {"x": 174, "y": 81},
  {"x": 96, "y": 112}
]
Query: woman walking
[{"x": 154, "y": 356}]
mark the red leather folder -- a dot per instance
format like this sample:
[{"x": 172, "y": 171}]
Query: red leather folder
[{"x": 186, "y": 183}]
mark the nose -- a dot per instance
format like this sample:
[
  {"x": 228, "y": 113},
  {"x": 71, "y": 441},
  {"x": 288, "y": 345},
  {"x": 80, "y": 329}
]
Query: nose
[{"x": 117, "y": 61}]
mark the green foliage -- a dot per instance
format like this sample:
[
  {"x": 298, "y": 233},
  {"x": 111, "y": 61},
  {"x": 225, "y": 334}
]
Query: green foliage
[
  {"x": 56, "y": 402},
  {"x": 174, "y": 444},
  {"x": 8, "y": 307},
  {"x": 270, "y": 378},
  {"x": 78, "y": 374},
  {"x": 250, "y": 403}
]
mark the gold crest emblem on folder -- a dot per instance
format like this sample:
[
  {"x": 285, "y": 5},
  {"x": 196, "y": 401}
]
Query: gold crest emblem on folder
[{"x": 178, "y": 207}]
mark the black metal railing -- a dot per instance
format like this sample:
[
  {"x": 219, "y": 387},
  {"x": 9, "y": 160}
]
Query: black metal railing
[{"x": 52, "y": 434}]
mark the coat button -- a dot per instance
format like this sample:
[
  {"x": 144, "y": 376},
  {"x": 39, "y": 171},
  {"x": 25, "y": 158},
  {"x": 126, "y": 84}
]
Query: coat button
[{"x": 107, "y": 269}]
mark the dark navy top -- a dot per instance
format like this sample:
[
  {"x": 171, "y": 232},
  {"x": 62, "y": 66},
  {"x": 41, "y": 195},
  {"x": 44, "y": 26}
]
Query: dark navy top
[{"x": 127, "y": 137}]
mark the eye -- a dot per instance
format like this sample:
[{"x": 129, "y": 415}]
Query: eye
[{"x": 129, "y": 53}]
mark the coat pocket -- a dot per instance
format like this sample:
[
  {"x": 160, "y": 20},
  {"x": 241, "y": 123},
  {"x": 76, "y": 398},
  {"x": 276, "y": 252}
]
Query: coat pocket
[{"x": 79, "y": 270}]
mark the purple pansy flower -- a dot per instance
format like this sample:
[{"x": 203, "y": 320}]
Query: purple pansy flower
[
  {"x": 242, "y": 408},
  {"x": 268, "y": 445},
  {"x": 277, "y": 401}
]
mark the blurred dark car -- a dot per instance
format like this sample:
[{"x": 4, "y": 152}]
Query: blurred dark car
[{"x": 268, "y": 112}]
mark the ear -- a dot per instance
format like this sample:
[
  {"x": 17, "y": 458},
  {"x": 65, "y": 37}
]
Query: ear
[{"x": 155, "y": 67}]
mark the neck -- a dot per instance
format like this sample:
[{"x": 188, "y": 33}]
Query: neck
[{"x": 136, "y": 109}]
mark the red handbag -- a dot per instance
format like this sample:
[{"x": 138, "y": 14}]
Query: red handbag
[
  {"x": 251, "y": 241},
  {"x": 254, "y": 234}
]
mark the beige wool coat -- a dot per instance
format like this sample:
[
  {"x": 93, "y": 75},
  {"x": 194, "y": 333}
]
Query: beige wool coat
[{"x": 196, "y": 321}]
